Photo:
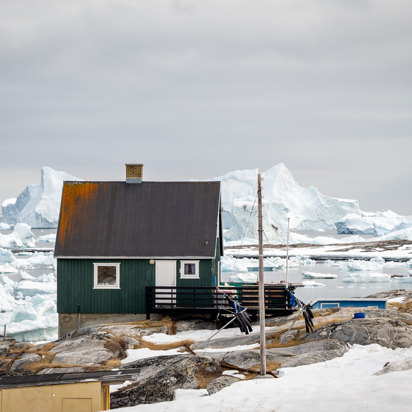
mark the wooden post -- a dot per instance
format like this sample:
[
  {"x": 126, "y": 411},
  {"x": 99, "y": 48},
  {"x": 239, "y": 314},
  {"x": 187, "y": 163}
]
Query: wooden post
[
  {"x": 4, "y": 333},
  {"x": 287, "y": 253},
  {"x": 261, "y": 284}
]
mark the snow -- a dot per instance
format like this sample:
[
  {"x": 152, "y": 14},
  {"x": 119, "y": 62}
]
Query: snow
[
  {"x": 399, "y": 299},
  {"x": 366, "y": 277},
  {"x": 314, "y": 275},
  {"x": 38, "y": 205},
  {"x": 189, "y": 394},
  {"x": 143, "y": 353},
  {"x": 341, "y": 384},
  {"x": 21, "y": 237}
]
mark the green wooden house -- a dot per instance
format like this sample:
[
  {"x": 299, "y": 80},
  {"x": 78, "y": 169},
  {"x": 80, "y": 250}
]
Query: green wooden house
[{"x": 115, "y": 239}]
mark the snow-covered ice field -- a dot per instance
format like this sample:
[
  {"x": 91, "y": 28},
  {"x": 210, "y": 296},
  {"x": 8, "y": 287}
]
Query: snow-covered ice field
[{"x": 357, "y": 381}]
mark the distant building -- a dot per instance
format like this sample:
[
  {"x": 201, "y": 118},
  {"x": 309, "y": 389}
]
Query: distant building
[{"x": 116, "y": 238}]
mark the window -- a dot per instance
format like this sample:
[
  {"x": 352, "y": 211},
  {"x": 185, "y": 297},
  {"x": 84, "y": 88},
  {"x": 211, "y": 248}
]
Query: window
[
  {"x": 106, "y": 275},
  {"x": 189, "y": 269}
]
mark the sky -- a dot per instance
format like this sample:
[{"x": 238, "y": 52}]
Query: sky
[{"x": 194, "y": 89}]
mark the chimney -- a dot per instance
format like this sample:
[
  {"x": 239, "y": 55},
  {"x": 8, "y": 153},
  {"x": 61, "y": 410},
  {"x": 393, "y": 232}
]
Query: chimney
[{"x": 134, "y": 172}]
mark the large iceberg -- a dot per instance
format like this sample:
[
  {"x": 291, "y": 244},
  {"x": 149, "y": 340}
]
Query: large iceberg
[
  {"x": 307, "y": 208},
  {"x": 37, "y": 205}
]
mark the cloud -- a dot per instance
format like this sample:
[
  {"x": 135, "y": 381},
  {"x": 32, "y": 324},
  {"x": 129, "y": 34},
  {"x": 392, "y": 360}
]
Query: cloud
[{"x": 194, "y": 89}]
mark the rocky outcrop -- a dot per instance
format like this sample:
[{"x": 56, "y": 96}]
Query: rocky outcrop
[
  {"x": 160, "y": 377},
  {"x": 25, "y": 359},
  {"x": 386, "y": 328},
  {"x": 83, "y": 350},
  {"x": 303, "y": 354},
  {"x": 219, "y": 383}
]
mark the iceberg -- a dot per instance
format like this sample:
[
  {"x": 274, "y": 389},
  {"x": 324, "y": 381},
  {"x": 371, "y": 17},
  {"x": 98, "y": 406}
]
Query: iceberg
[
  {"x": 314, "y": 275},
  {"x": 307, "y": 208},
  {"x": 21, "y": 237},
  {"x": 351, "y": 265},
  {"x": 282, "y": 198},
  {"x": 37, "y": 205}
]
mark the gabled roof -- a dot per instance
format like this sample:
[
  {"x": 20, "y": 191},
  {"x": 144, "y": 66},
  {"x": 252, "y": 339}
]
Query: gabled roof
[{"x": 148, "y": 219}]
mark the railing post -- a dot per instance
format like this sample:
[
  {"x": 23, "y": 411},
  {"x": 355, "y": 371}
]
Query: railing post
[{"x": 148, "y": 301}]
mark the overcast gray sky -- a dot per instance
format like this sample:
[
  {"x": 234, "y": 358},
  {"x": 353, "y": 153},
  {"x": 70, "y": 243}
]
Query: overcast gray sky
[{"x": 194, "y": 89}]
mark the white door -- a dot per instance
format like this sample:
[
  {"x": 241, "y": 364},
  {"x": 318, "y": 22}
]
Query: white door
[{"x": 165, "y": 276}]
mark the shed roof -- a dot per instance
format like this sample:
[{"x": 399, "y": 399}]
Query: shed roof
[
  {"x": 148, "y": 219},
  {"x": 106, "y": 376}
]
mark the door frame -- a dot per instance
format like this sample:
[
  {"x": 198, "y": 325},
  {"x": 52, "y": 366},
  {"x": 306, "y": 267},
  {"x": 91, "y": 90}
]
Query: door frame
[{"x": 157, "y": 271}]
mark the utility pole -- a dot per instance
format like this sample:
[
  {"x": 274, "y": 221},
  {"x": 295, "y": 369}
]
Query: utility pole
[
  {"x": 261, "y": 284},
  {"x": 287, "y": 254}
]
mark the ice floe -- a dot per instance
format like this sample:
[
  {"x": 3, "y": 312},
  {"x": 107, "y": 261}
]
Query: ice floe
[
  {"x": 315, "y": 275},
  {"x": 50, "y": 238},
  {"x": 21, "y": 237},
  {"x": 366, "y": 277},
  {"x": 374, "y": 264},
  {"x": 37, "y": 259},
  {"x": 5, "y": 256},
  {"x": 313, "y": 284}
]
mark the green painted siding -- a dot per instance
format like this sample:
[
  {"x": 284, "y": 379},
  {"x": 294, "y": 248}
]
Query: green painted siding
[
  {"x": 75, "y": 287},
  {"x": 75, "y": 284}
]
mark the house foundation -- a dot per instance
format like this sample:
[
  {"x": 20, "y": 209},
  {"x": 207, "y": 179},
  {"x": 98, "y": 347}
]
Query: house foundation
[{"x": 71, "y": 321}]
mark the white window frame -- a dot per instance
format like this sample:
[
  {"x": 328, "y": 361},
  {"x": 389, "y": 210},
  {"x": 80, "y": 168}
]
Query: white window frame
[
  {"x": 182, "y": 272},
  {"x": 96, "y": 271}
]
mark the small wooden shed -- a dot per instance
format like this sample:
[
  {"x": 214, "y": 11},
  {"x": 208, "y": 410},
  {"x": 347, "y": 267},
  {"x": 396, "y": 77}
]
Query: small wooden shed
[{"x": 114, "y": 239}]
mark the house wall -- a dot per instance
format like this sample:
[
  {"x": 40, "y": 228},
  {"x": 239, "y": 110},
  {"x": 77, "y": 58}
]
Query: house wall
[{"x": 75, "y": 293}]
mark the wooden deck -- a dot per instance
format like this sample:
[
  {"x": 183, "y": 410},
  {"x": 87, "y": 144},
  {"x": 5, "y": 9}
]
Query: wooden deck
[{"x": 183, "y": 300}]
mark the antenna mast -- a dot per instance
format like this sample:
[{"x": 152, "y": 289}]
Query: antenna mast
[{"x": 261, "y": 284}]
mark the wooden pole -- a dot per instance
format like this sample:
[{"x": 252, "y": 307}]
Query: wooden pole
[
  {"x": 287, "y": 253},
  {"x": 261, "y": 284}
]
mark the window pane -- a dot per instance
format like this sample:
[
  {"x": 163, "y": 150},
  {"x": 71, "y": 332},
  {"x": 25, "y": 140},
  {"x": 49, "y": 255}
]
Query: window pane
[
  {"x": 106, "y": 275},
  {"x": 190, "y": 269}
]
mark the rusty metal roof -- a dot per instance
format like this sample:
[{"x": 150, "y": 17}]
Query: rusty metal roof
[{"x": 148, "y": 219}]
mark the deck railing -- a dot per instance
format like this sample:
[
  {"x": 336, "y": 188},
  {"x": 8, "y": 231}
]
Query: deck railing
[{"x": 170, "y": 299}]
